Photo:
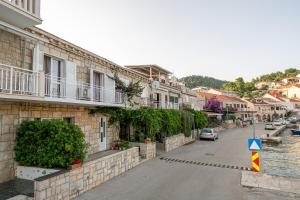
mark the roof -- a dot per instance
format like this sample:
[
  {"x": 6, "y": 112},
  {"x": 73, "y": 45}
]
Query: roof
[
  {"x": 289, "y": 86},
  {"x": 258, "y": 102},
  {"x": 149, "y": 65},
  {"x": 277, "y": 95},
  {"x": 222, "y": 90},
  {"x": 221, "y": 98},
  {"x": 296, "y": 100}
]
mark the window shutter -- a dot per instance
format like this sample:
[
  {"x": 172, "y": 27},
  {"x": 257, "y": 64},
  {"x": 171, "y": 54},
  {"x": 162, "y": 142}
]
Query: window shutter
[
  {"x": 37, "y": 59},
  {"x": 109, "y": 90},
  {"x": 71, "y": 82}
]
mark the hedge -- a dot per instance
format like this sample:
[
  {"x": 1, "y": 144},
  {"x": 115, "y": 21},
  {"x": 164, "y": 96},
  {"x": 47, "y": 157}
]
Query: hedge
[{"x": 49, "y": 143}]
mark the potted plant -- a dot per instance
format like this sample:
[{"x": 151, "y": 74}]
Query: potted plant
[{"x": 75, "y": 164}]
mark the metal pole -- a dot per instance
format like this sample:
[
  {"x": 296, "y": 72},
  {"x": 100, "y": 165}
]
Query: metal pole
[{"x": 253, "y": 125}]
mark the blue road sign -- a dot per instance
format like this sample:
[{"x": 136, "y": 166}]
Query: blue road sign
[{"x": 254, "y": 144}]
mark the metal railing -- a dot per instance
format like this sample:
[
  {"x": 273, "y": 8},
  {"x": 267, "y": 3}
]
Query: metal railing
[
  {"x": 159, "y": 104},
  {"x": 14, "y": 80},
  {"x": 57, "y": 87},
  {"x": 31, "y": 7}
]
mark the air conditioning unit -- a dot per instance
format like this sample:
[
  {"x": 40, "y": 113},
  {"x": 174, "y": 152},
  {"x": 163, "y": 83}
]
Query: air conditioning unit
[{"x": 84, "y": 93}]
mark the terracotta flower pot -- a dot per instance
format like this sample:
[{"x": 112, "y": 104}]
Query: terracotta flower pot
[
  {"x": 74, "y": 166},
  {"x": 147, "y": 141}
]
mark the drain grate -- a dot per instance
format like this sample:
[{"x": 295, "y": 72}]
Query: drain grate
[{"x": 206, "y": 164}]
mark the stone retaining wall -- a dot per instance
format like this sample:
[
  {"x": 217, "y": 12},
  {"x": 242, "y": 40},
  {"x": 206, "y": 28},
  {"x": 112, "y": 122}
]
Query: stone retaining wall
[
  {"x": 147, "y": 151},
  {"x": 69, "y": 184},
  {"x": 176, "y": 141}
]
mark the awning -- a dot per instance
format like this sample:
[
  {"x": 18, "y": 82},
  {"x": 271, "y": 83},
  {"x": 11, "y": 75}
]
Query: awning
[{"x": 213, "y": 114}]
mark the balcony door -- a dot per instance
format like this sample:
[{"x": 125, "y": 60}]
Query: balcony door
[
  {"x": 55, "y": 84},
  {"x": 98, "y": 84}
]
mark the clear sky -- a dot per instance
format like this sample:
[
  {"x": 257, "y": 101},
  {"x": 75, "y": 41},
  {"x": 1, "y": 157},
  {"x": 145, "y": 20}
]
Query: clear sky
[{"x": 219, "y": 38}]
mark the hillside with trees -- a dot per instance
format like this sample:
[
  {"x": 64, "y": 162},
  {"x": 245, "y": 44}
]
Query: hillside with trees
[
  {"x": 244, "y": 89},
  {"x": 248, "y": 89},
  {"x": 278, "y": 76},
  {"x": 205, "y": 81}
]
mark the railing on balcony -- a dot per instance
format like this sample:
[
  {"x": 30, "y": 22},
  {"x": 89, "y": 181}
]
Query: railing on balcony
[
  {"x": 57, "y": 87},
  {"x": 14, "y": 80},
  {"x": 159, "y": 104},
  {"x": 172, "y": 105},
  {"x": 31, "y": 7}
]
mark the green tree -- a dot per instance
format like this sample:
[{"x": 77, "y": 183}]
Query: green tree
[{"x": 240, "y": 86}]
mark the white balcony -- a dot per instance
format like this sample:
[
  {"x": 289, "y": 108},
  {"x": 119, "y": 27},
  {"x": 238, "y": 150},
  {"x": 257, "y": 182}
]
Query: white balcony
[
  {"x": 17, "y": 81},
  {"x": 20, "y": 13},
  {"x": 58, "y": 89},
  {"x": 159, "y": 104},
  {"x": 26, "y": 85}
]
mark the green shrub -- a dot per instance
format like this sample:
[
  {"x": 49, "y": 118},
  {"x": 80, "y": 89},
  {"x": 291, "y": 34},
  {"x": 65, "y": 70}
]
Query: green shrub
[
  {"x": 49, "y": 143},
  {"x": 147, "y": 121},
  {"x": 187, "y": 120},
  {"x": 171, "y": 122},
  {"x": 200, "y": 118},
  {"x": 124, "y": 145}
]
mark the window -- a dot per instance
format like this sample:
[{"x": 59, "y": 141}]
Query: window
[
  {"x": 69, "y": 120},
  {"x": 52, "y": 66}
]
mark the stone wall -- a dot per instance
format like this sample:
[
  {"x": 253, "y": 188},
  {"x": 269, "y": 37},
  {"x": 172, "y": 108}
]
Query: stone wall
[
  {"x": 147, "y": 151},
  {"x": 13, "y": 113},
  {"x": 72, "y": 183},
  {"x": 174, "y": 142},
  {"x": 15, "y": 50}
]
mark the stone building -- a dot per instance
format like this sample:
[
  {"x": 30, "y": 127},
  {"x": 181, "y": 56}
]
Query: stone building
[
  {"x": 164, "y": 90},
  {"x": 43, "y": 76}
]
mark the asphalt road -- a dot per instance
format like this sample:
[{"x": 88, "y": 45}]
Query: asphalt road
[{"x": 164, "y": 180}]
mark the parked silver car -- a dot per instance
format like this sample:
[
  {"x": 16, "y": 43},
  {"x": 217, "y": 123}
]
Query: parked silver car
[
  {"x": 277, "y": 122},
  {"x": 208, "y": 133},
  {"x": 270, "y": 126}
]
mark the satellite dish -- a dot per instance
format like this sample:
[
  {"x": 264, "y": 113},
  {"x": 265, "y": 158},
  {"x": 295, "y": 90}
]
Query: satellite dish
[{"x": 155, "y": 84}]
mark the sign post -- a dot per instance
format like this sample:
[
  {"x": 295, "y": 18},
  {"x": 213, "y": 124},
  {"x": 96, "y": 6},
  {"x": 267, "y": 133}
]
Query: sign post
[
  {"x": 254, "y": 145},
  {"x": 255, "y": 161}
]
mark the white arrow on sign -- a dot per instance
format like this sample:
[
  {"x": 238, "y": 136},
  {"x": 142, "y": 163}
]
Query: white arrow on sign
[{"x": 254, "y": 146}]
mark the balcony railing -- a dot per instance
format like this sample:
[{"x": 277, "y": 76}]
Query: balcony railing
[
  {"x": 31, "y": 7},
  {"x": 57, "y": 87},
  {"x": 18, "y": 81},
  {"x": 22, "y": 82},
  {"x": 159, "y": 104}
]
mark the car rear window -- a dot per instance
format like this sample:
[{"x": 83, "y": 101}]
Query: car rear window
[{"x": 207, "y": 130}]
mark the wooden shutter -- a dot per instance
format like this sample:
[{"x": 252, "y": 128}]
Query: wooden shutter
[
  {"x": 109, "y": 90},
  {"x": 71, "y": 82}
]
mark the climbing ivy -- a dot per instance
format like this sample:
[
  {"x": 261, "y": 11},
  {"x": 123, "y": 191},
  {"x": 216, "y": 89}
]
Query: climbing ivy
[
  {"x": 187, "y": 121},
  {"x": 147, "y": 122}
]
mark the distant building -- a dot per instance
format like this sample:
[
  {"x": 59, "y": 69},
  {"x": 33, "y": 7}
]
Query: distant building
[
  {"x": 266, "y": 109},
  {"x": 223, "y": 92},
  {"x": 234, "y": 105},
  {"x": 290, "y": 90}
]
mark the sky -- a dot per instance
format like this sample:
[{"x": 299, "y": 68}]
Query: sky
[{"x": 224, "y": 39}]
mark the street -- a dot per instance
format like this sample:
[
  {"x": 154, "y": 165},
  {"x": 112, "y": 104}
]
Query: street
[{"x": 161, "y": 179}]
